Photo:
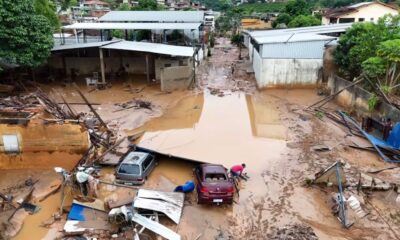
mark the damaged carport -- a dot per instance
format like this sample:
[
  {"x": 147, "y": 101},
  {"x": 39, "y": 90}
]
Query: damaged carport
[{"x": 172, "y": 66}]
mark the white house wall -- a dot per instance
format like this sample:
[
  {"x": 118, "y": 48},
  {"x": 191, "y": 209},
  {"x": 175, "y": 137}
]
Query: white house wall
[{"x": 286, "y": 72}]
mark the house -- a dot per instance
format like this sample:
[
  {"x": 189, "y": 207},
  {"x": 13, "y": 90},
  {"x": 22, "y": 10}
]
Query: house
[
  {"x": 290, "y": 57},
  {"x": 360, "y": 12}
]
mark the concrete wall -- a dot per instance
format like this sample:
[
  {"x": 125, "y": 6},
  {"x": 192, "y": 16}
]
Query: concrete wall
[
  {"x": 329, "y": 65},
  {"x": 163, "y": 62},
  {"x": 176, "y": 78},
  {"x": 88, "y": 65},
  {"x": 286, "y": 72},
  {"x": 356, "y": 99}
]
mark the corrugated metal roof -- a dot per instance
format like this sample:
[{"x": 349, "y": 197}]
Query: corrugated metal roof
[
  {"x": 153, "y": 16},
  {"x": 82, "y": 45},
  {"x": 333, "y": 28},
  {"x": 98, "y": 26},
  {"x": 293, "y": 37},
  {"x": 294, "y": 50},
  {"x": 152, "y": 48}
]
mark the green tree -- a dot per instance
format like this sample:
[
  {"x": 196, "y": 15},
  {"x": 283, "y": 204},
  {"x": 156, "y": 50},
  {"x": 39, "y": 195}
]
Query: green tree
[
  {"x": 25, "y": 37},
  {"x": 384, "y": 69},
  {"x": 146, "y": 5},
  {"x": 124, "y": 7},
  {"x": 282, "y": 18},
  {"x": 304, "y": 21},
  {"x": 297, "y": 7},
  {"x": 361, "y": 41},
  {"x": 355, "y": 46},
  {"x": 47, "y": 9},
  {"x": 237, "y": 40}
]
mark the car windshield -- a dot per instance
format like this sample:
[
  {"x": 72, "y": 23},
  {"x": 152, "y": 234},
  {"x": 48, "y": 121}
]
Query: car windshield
[
  {"x": 129, "y": 169},
  {"x": 215, "y": 177}
]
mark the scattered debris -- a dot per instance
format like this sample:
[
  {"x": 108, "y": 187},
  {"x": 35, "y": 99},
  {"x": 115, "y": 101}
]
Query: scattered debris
[{"x": 295, "y": 232}]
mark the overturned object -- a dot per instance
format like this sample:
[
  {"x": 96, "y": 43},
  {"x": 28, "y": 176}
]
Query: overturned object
[
  {"x": 329, "y": 175},
  {"x": 127, "y": 214},
  {"x": 169, "y": 203}
]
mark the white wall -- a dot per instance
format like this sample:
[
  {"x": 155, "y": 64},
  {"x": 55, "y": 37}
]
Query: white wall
[
  {"x": 370, "y": 13},
  {"x": 257, "y": 66},
  {"x": 251, "y": 49},
  {"x": 286, "y": 72}
]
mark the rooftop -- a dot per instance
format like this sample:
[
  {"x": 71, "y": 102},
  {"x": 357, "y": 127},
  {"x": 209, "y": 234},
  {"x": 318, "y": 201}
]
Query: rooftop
[
  {"x": 153, "y": 16},
  {"x": 334, "y": 28},
  {"x": 293, "y": 37},
  {"x": 149, "y": 26},
  {"x": 336, "y": 12},
  {"x": 157, "y": 48}
]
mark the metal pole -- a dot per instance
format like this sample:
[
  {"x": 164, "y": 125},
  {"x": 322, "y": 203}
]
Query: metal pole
[
  {"x": 103, "y": 74},
  {"x": 147, "y": 69}
]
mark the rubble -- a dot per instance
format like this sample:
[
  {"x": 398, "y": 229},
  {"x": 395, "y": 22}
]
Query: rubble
[{"x": 295, "y": 232}]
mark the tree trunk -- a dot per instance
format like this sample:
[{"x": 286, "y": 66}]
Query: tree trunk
[
  {"x": 33, "y": 74},
  {"x": 240, "y": 51}
]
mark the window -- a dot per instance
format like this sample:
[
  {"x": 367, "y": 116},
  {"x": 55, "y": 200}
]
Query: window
[
  {"x": 146, "y": 163},
  {"x": 215, "y": 177},
  {"x": 129, "y": 169},
  {"x": 346, "y": 20},
  {"x": 361, "y": 19},
  {"x": 372, "y": 19},
  {"x": 11, "y": 144},
  {"x": 167, "y": 65}
]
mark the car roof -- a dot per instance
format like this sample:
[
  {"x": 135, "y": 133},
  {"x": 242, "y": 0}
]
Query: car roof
[
  {"x": 135, "y": 158},
  {"x": 213, "y": 168}
]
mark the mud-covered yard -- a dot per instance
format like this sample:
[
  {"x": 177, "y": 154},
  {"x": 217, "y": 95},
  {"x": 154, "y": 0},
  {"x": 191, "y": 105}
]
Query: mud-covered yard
[{"x": 225, "y": 119}]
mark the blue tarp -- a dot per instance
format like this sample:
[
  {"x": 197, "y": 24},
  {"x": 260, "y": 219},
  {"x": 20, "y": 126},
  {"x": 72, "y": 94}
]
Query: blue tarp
[
  {"x": 76, "y": 212},
  {"x": 187, "y": 187},
  {"x": 393, "y": 140},
  {"x": 394, "y": 136}
]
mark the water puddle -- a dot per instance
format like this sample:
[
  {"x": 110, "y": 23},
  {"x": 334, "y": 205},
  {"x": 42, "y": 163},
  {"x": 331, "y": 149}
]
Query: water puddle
[{"x": 227, "y": 130}]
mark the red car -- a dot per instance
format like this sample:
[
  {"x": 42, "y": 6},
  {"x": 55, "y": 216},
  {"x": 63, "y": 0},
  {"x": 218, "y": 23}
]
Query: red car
[{"x": 213, "y": 184}]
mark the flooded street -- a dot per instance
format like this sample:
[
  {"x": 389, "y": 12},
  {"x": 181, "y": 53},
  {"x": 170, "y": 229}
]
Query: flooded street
[{"x": 224, "y": 120}]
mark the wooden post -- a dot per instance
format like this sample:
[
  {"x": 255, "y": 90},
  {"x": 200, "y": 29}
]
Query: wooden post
[
  {"x": 103, "y": 74},
  {"x": 147, "y": 69}
]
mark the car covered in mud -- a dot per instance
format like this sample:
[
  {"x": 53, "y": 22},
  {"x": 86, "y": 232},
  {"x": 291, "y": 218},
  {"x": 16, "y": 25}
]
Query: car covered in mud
[
  {"x": 135, "y": 167},
  {"x": 213, "y": 184}
]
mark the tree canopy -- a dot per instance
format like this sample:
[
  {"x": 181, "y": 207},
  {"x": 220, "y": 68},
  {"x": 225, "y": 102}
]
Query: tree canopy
[
  {"x": 304, "y": 21},
  {"x": 47, "y": 9},
  {"x": 297, "y": 7},
  {"x": 361, "y": 42},
  {"x": 25, "y": 37}
]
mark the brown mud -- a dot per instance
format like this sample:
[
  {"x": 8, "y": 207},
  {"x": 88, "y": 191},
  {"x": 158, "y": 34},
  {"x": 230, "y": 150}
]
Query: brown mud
[{"x": 227, "y": 120}]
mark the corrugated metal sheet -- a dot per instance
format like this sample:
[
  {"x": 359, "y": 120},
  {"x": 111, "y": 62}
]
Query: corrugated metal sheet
[
  {"x": 153, "y": 16},
  {"x": 173, "y": 211},
  {"x": 293, "y": 37},
  {"x": 289, "y": 72},
  {"x": 334, "y": 28},
  {"x": 149, "y": 26},
  {"x": 152, "y": 48},
  {"x": 294, "y": 50},
  {"x": 155, "y": 227},
  {"x": 82, "y": 45}
]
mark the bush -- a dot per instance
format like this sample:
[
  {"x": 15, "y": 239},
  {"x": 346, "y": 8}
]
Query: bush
[{"x": 304, "y": 21}]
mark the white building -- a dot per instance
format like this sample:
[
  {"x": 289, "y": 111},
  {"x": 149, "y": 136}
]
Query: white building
[
  {"x": 289, "y": 57},
  {"x": 360, "y": 12}
]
